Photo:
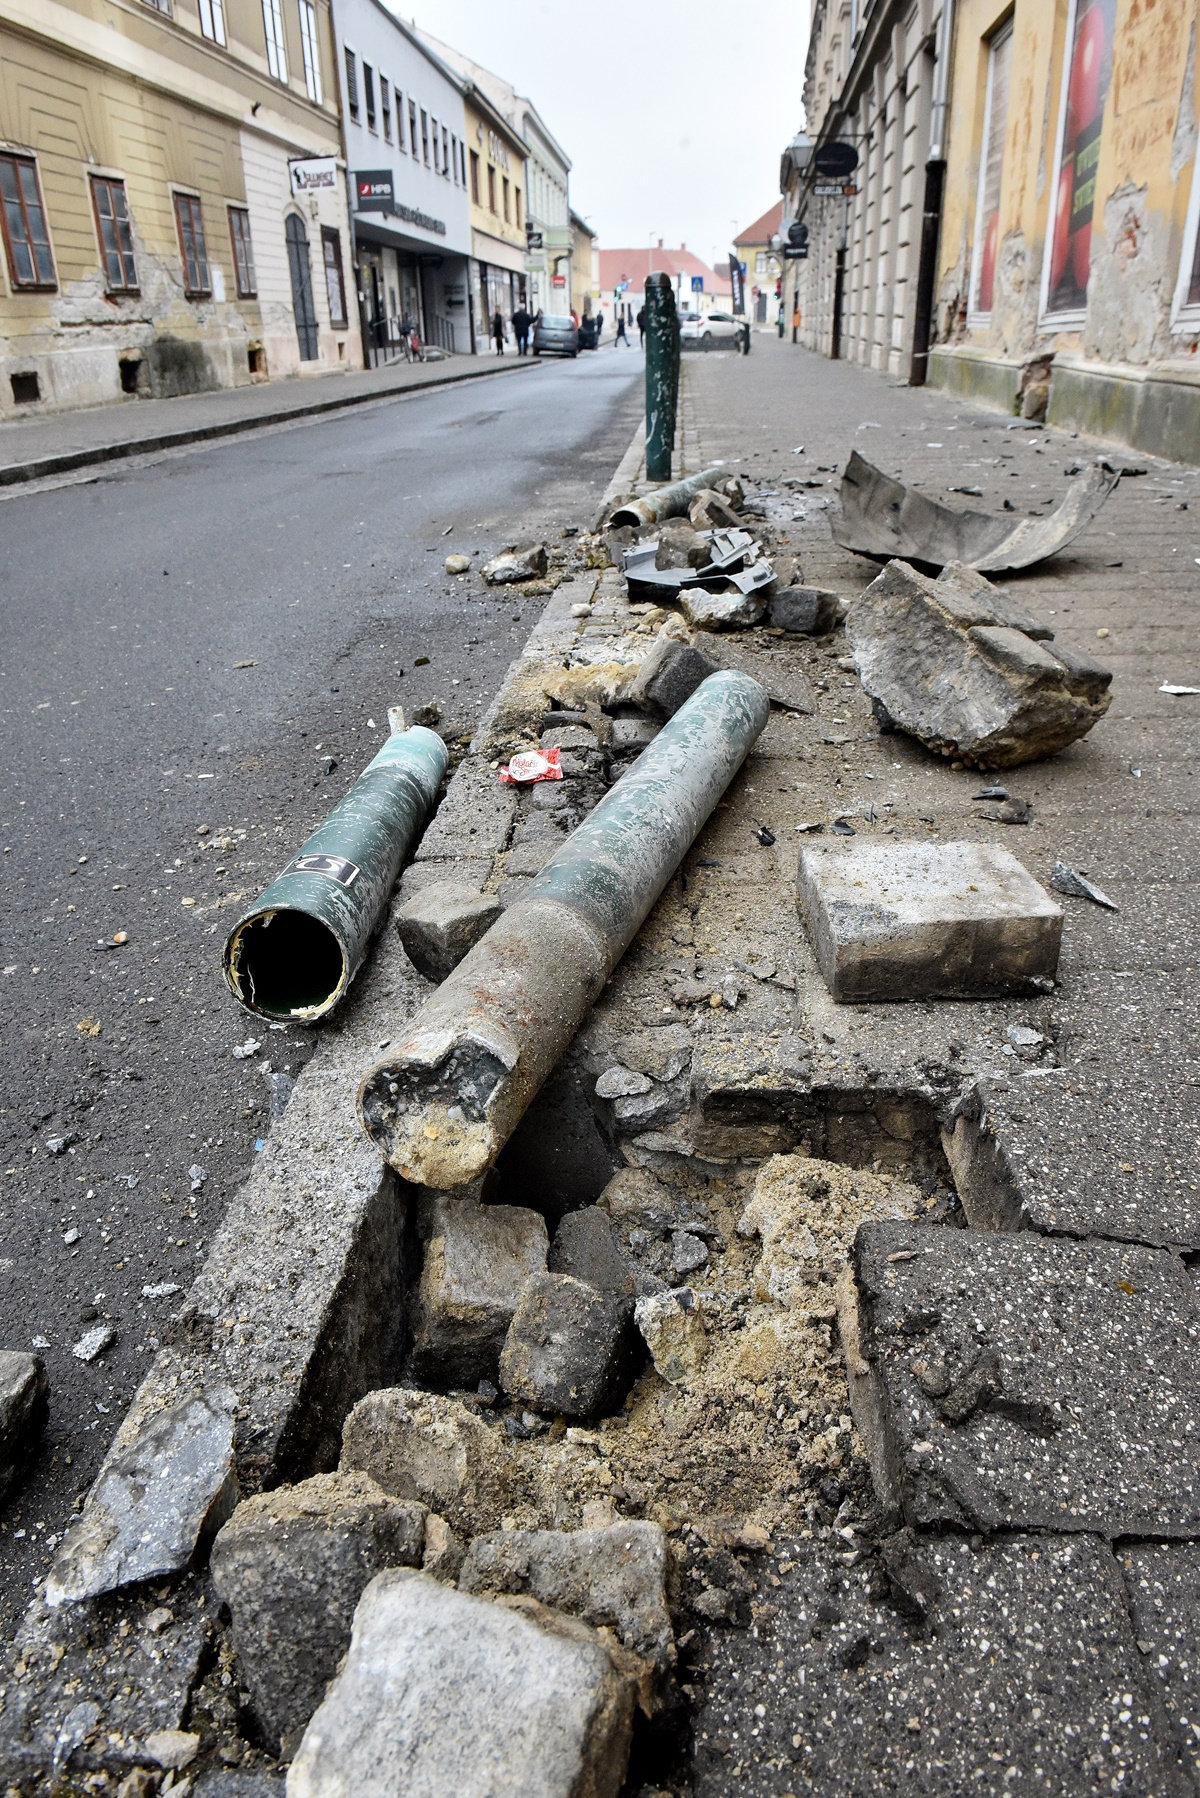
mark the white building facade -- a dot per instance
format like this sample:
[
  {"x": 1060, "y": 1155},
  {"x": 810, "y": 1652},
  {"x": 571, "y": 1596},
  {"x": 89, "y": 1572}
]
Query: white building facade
[{"x": 406, "y": 157}]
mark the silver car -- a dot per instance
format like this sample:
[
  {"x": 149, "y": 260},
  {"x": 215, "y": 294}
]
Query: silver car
[
  {"x": 557, "y": 334},
  {"x": 710, "y": 328}
]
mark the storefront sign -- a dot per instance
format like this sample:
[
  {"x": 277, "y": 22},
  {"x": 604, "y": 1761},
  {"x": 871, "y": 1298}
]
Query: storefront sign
[
  {"x": 737, "y": 281},
  {"x": 558, "y": 280},
  {"x": 826, "y": 190},
  {"x": 373, "y": 190},
  {"x": 533, "y": 240},
  {"x": 1087, "y": 75},
  {"x": 411, "y": 216},
  {"x": 835, "y": 160},
  {"x": 313, "y": 174}
]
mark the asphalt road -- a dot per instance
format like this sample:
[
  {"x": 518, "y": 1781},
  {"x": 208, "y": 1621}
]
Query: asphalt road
[{"x": 184, "y": 641}]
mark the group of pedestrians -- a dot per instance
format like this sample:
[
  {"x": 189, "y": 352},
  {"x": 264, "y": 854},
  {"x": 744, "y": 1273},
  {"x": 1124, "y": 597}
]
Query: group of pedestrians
[{"x": 523, "y": 323}]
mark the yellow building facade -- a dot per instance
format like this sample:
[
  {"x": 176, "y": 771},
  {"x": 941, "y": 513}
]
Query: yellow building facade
[
  {"x": 174, "y": 210},
  {"x": 496, "y": 190}
]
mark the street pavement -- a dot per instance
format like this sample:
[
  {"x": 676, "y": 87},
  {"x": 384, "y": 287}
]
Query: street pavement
[{"x": 199, "y": 649}]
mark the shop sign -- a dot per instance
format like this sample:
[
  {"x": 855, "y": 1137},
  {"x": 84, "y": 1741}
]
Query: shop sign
[
  {"x": 313, "y": 174},
  {"x": 374, "y": 191}
]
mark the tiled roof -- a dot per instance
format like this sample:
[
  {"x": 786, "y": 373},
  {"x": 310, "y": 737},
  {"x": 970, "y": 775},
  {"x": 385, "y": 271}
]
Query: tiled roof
[
  {"x": 763, "y": 229},
  {"x": 633, "y": 265}
]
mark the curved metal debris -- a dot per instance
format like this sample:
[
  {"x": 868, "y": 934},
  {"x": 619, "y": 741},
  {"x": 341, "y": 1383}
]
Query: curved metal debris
[{"x": 879, "y": 517}]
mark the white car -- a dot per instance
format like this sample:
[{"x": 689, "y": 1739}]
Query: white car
[{"x": 710, "y": 328}]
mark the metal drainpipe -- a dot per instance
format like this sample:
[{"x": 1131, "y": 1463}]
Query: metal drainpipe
[
  {"x": 931, "y": 212},
  {"x": 445, "y": 1100}
]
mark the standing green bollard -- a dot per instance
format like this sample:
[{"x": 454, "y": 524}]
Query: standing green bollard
[{"x": 662, "y": 376}]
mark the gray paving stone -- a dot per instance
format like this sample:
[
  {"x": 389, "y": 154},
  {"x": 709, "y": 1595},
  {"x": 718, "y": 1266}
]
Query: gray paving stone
[
  {"x": 438, "y": 925},
  {"x": 586, "y": 1246},
  {"x": 570, "y": 1348},
  {"x": 475, "y": 817},
  {"x": 477, "y": 1261},
  {"x": 1022, "y": 1382},
  {"x": 1163, "y": 1581},
  {"x": 430, "y": 1449},
  {"x": 924, "y": 920},
  {"x": 669, "y": 675},
  {"x": 1027, "y": 1680}
]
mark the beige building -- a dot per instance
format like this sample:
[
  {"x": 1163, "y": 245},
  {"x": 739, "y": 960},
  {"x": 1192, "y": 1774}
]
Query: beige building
[
  {"x": 174, "y": 212},
  {"x": 585, "y": 268},
  {"x": 496, "y": 191}
]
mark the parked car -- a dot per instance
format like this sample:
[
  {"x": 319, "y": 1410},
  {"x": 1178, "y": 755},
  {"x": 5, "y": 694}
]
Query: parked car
[
  {"x": 556, "y": 334},
  {"x": 709, "y": 328},
  {"x": 590, "y": 326}
]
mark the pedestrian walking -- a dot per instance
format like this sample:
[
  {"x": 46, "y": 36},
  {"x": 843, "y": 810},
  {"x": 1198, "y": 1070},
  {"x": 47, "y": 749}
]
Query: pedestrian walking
[
  {"x": 521, "y": 323},
  {"x": 796, "y": 322},
  {"x": 498, "y": 330},
  {"x": 641, "y": 325},
  {"x": 621, "y": 337}
]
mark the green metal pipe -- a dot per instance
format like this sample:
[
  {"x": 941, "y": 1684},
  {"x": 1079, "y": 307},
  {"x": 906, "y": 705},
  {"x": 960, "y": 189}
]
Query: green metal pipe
[
  {"x": 668, "y": 502},
  {"x": 296, "y": 950},
  {"x": 662, "y": 355},
  {"x": 451, "y": 1091}
]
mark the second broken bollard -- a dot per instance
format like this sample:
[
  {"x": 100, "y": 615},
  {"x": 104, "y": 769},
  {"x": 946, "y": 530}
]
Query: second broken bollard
[
  {"x": 449, "y": 1094},
  {"x": 294, "y": 953}
]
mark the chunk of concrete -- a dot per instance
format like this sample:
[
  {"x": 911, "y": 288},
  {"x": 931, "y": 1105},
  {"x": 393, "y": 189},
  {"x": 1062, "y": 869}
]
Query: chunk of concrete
[
  {"x": 709, "y": 512},
  {"x": 807, "y": 1212},
  {"x": 153, "y": 1503},
  {"x": 569, "y": 1347},
  {"x": 528, "y": 564},
  {"x": 673, "y": 1329},
  {"x": 440, "y": 924},
  {"x": 431, "y": 1449},
  {"x": 614, "y": 1578},
  {"x": 24, "y": 1407},
  {"x": 947, "y": 668},
  {"x": 587, "y": 1247},
  {"x": 804, "y": 611},
  {"x": 443, "y": 1693},
  {"x": 477, "y": 1260},
  {"x": 1027, "y": 1679},
  {"x": 1014, "y": 1381},
  {"x": 1163, "y": 1582},
  {"x": 721, "y": 609},
  {"x": 669, "y": 675},
  {"x": 291, "y": 1566},
  {"x": 926, "y": 920}
]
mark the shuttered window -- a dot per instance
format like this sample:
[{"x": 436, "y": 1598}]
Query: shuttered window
[
  {"x": 243, "y": 253},
  {"x": 197, "y": 281}
]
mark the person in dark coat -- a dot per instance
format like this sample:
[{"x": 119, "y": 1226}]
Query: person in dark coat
[
  {"x": 521, "y": 325},
  {"x": 641, "y": 325},
  {"x": 498, "y": 330},
  {"x": 621, "y": 337}
]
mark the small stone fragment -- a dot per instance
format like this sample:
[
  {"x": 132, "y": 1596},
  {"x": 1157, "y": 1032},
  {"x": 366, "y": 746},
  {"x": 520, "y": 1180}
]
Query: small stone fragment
[
  {"x": 172, "y": 1748},
  {"x": 586, "y": 1246},
  {"x": 670, "y": 675},
  {"x": 516, "y": 565},
  {"x": 477, "y": 1260},
  {"x": 568, "y": 1349},
  {"x": 444, "y": 1549},
  {"x": 804, "y": 611},
  {"x": 441, "y": 1693},
  {"x": 441, "y": 923},
  {"x": 291, "y": 1566},
  {"x": 709, "y": 512},
  {"x": 688, "y": 1253},
  {"x": 24, "y": 1407},
  {"x": 621, "y": 1083},
  {"x": 93, "y": 1342},
  {"x": 721, "y": 609},
  {"x": 674, "y": 1333},
  {"x": 457, "y": 564},
  {"x": 422, "y": 1446}
]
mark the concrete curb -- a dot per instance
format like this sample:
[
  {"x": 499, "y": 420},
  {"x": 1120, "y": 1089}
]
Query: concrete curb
[{"x": 15, "y": 473}]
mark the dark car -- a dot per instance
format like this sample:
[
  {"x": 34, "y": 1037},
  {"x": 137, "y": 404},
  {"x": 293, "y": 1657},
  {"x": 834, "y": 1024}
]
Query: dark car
[
  {"x": 589, "y": 330},
  {"x": 556, "y": 334}
]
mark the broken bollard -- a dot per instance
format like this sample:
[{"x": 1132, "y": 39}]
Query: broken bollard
[
  {"x": 450, "y": 1093},
  {"x": 295, "y": 952},
  {"x": 668, "y": 502}
]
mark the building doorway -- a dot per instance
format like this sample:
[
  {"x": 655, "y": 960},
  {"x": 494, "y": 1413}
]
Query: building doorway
[{"x": 302, "y": 287}]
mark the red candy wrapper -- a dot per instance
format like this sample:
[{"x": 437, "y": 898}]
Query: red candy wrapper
[{"x": 531, "y": 765}]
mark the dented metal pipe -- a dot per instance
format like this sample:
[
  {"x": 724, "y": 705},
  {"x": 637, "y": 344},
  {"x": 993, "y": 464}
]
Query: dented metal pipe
[
  {"x": 668, "y": 502},
  {"x": 450, "y": 1092},
  {"x": 296, "y": 950}
]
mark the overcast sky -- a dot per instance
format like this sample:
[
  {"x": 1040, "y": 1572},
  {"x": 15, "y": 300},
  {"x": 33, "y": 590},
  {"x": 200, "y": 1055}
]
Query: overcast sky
[{"x": 674, "y": 116}]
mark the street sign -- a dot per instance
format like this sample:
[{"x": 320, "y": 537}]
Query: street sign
[
  {"x": 826, "y": 190},
  {"x": 373, "y": 191},
  {"x": 558, "y": 280},
  {"x": 795, "y": 252},
  {"x": 835, "y": 160},
  {"x": 697, "y": 283}
]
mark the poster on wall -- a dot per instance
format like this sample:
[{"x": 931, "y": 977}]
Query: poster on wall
[{"x": 1088, "y": 72}]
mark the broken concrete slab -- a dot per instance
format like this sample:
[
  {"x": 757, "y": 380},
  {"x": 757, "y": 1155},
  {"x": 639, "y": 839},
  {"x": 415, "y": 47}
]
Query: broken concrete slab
[
  {"x": 477, "y": 1261},
  {"x": 709, "y": 512},
  {"x": 586, "y": 1246},
  {"x": 441, "y": 1692},
  {"x": 569, "y": 1348},
  {"x": 1024, "y": 1382},
  {"x": 24, "y": 1407},
  {"x": 804, "y": 611},
  {"x": 429, "y": 1449},
  {"x": 670, "y": 675},
  {"x": 1163, "y": 1583},
  {"x": 614, "y": 1578},
  {"x": 880, "y": 517},
  {"x": 919, "y": 920},
  {"x": 724, "y": 608},
  {"x": 673, "y": 1327},
  {"x": 982, "y": 693},
  {"x": 528, "y": 564},
  {"x": 154, "y": 1501},
  {"x": 440, "y": 923},
  {"x": 1027, "y": 1679},
  {"x": 290, "y": 1565}
]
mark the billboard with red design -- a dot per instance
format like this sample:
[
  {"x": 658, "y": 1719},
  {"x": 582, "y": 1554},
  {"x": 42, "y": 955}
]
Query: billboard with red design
[{"x": 1088, "y": 72}]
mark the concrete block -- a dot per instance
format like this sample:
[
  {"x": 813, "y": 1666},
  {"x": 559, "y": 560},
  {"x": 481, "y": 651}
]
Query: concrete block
[
  {"x": 587, "y": 1247},
  {"x": 1023, "y": 1382},
  {"x": 444, "y": 1693},
  {"x": 1026, "y": 1678},
  {"x": 431, "y": 1450},
  {"x": 441, "y": 923},
  {"x": 24, "y": 1406},
  {"x": 477, "y": 1260},
  {"x": 670, "y": 675},
  {"x": 569, "y": 1348},
  {"x": 806, "y": 611},
  {"x": 926, "y": 920},
  {"x": 291, "y": 1566},
  {"x": 1163, "y": 1582}
]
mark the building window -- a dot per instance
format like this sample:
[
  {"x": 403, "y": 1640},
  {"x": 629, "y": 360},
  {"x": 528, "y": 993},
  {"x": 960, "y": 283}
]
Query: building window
[
  {"x": 991, "y": 170},
  {"x": 273, "y": 27},
  {"x": 385, "y": 107},
  {"x": 506, "y": 200},
  {"x": 26, "y": 237},
  {"x": 1087, "y": 71},
  {"x": 491, "y": 188},
  {"x": 310, "y": 49},
  {"x": 445, "y": 152},
  {"x": 197, "y": 282},
  {"x": 517, "y": 203},
  {"x": 162, "y": 6},
  {"x": 425, "y": 137},
  {"x": 116, "y": 239},
  {"x": 212, "y": 20},
  {"x": 412, "y": 126},
  {"x": 433, "y": 132},
  {"x": 400, "y": 145},
  {"x": 351, "y": 82},
  {"x": 475, "y": 176},
  {"x": 243, "y": 253},
  {"x": 335, "y": 284},
  {"x": 369, "y": 94}
]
